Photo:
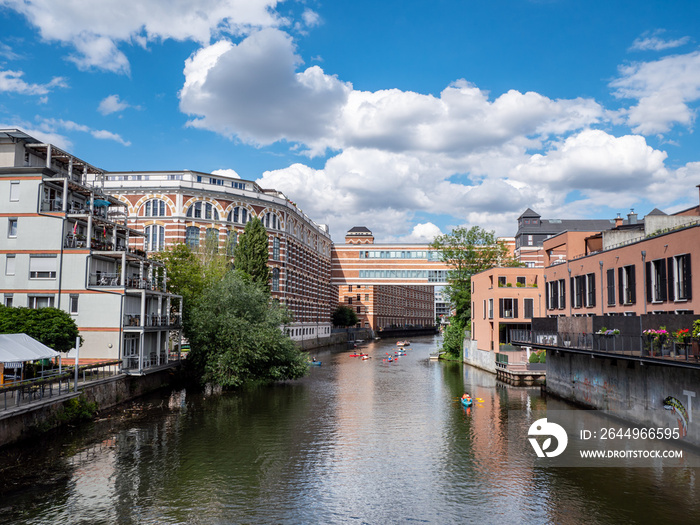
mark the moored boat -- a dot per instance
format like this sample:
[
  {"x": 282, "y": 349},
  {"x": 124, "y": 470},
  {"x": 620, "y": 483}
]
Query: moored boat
[{"x": 403, "y": 343}]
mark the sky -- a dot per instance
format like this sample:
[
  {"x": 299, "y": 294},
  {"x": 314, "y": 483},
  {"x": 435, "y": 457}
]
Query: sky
[{"x": 410, "y": 118}]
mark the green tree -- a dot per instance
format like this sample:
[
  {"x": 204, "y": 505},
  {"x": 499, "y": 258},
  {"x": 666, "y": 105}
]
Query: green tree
[
  {"x": 251, "y": 253},
  {"x": 454, "y": 337},
  {"x": 468, "y": 252},
  {"x": 235, "y": 336},
  {"x": 344, "y": 316},
  {"x": 50, "y": 326}
]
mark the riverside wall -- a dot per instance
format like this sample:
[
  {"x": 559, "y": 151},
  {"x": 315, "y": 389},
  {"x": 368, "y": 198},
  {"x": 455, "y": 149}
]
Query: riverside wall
[
  {"x": 27, "y": 421},
  {"x": 482, "y": 359},
  {"x": 647, "y": 394},
  {"x": 336, "y": 338}
]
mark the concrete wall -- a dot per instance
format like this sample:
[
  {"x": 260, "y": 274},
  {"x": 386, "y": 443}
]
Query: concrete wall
[
  {"x": 41, "y": 417},
  {"x": 634, "y": 391},
  {"x": 482, "y": 359}
]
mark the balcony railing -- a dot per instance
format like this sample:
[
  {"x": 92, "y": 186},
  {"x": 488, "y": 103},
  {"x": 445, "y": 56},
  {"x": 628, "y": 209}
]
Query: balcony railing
[
  {"x": 153, "y": 320},
  {"x": 650, "y": 347}
]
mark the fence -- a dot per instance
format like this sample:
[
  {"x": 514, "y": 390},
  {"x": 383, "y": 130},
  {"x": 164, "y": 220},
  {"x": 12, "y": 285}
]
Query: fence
[
  {"x": 53, "y": 383},
  {"x": 652, "y": 347}
]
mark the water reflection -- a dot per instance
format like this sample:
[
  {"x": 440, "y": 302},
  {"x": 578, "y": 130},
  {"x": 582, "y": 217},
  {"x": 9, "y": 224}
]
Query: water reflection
[{"x": 354, "y": 442}]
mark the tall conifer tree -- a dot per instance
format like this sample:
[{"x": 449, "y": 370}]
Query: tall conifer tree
[{"x": 251, "y": 253}]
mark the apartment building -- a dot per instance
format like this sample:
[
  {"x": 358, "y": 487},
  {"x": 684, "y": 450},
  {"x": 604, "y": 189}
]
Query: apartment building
[
  {"x": 197, "y": 209},
  {"x": 66, "y": 244}
]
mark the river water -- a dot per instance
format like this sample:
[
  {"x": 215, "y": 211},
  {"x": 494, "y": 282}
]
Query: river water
[{"x": 356, "y": 441}]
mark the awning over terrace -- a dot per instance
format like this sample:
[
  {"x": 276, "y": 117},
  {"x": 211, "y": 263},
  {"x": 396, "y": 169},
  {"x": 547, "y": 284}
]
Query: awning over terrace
[{"x": 18, "y": 348}]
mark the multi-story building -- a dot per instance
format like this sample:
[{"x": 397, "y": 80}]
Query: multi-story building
[
  {"x": 171, "y": 207},
  {"x": 66, "y": 245},
  {"x": 504, "y": 299},
  {"x": 388, "y": 285},
  {"x": 634, "y": 269}
]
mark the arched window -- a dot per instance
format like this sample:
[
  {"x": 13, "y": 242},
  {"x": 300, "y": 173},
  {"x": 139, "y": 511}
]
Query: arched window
[
  {"x": 276, "y": 249},
  {"x": 192, "y": 237},
  {"x": 154, "y": 208},
  {"x": 155, "y": 238},
  {"x": 196, "y": 209},
  {"x": 271, "y": 221},
  {"x": 231, "y": 242},
  {"x": 211, "y": 239},
  {"x": 276, "y": 280},
  {"x": 239, "y": 215}
]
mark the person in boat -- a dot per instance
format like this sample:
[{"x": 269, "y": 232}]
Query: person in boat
[
  {"x": 313, "y": 359},
  {"x": 466, "y": 397}
]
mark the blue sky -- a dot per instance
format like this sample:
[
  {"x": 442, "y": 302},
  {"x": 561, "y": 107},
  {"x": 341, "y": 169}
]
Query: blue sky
[{"x": 407, "y": 117}]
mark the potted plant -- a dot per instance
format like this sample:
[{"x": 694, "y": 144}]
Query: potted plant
[{"x": 657, "y": 338}]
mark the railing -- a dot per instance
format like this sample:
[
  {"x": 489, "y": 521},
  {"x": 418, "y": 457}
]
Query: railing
[
  {"x": 53, "y": 383},
  {"x": 105, "y": 279},
  {"x": 628, "y": 345},
  {"x": 152, "y": 320},
  {"x": 51, "y": 205}
]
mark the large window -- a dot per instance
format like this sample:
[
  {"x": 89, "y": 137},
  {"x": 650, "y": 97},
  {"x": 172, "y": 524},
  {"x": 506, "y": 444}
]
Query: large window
[
  {"x": 238, "y": 214},
  {"x": 42, "y": 267},
  {"x": 154, "y": 208},
  {"x": 680, "y": 277},
  {"x": 212, "y": 239},
  {"x": 577, "y": 287},
  {"x": 276, "y": 249},
  {"x": 271, "y": 221},
  {"x": 590, "y": 290},
  {"x": 553, "y": 295},
  {"x": 40, "y": 301},
  {"x": 73, "y": 305},
  {"x": 508, "y": 308},
  {"x": 656, "y": 281},
  {"x": 192, "y": 237},
  {"x": 203, "y": 210},
  {"x": 155, "y": 238},
  {"x": 627, "y": 284},
  {"x": 231, "y": 241},
  {"x": 276, "y": 280},
  {"x": 528, "y": 308}
]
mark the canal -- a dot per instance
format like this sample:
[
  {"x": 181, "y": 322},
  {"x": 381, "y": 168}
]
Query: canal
[{"x": 356, "y": 441}]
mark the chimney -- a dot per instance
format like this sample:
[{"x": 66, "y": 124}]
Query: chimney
[
  {"x": 631, "y": 217},
  {"x": 618, "y": 221}
]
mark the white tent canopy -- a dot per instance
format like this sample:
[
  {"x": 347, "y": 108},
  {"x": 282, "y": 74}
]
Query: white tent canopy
[{"x": 16, "y": 348}]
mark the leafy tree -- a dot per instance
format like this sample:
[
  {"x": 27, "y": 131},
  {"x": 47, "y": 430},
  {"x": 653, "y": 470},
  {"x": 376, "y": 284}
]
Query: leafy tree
[
  {"x": 454, "y": 337},
  {"x": 251, "y": 253},
  {"x": 344, "y": 316},
  {"x": 468, "y": 252},
  {"x": 50, "y": 326},
  {"x": 235, "y": 335}
]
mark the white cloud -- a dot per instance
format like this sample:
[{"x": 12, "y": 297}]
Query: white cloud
[
  {"x": 11, "y": 82},
  {"x": 48, "y": 125},
  {"x": 112, "y": 104},
  {"x": 227, "y": 173},
  {"x": 251, "y": 90},
  {"x": 311, "y": 18},
  {"x": 654, "y": 42},
  {"x": 422, "y": 233},
  {"x": 664, "y": 89},
  {"x": 96, "y": 33}
]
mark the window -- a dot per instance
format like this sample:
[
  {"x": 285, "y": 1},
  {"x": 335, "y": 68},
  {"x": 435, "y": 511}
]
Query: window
[
  {"x": 195, "y": 210},
  {"x": 8, "y": 300},
  {"x": 627, "y": 285},
  {"x": 679, "y": 277},
  {"x": 42, "y": 267},
  {"x": 210, "y": 212},
  {"x": 12, "y": 228},
  {"x": 359, "y": 309},
  {"x": 484, "y": 310},
  {"x": 40, "y": 301},
  {"x": 231, "y": 242},
  {"x": 552, "y": 295},
  {"x": 276, "y": 249},
  {"x": 358, "y": 297},
  {"x": 528, "y": 307},
  {"x": 10, "y": 265},
  {"x": 562, "y": 294},
  {"x": 192, "y": 237},
  {"x": 238, "y": 185},
  {"x": 501, "y": 281},
  {"x": 73, "y": 304},
  {"x": 508, "y": 308},
  {"x": 349, "y": 287},
  {"x": 276, "y": 280},
  {"x": 520, "y": 281},
  {"x": 611, "y": 286},
  {"x": 211, "y": 238},
  {"x": 155, "y": 238},
  {"x": 366, "y": 297},
  {"x": 154, "y": 208},
  {"x": 238, "y": 214},
  {"x": 529, "y": 240},
  {"x": 490, "y": 308},
  {"x": 656, "y": 281},
  {"x": 14, "y": 191},
  {"x": 590, "y": 290},
  {"x": 271, "y": 221}
]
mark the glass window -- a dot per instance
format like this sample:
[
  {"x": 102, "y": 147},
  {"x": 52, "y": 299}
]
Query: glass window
[
  {"x": 276, "y": 249},
  {"x": 232, "y": 239},
  {"x": 10, "y": 265},
  {"x": 155, "y": 238},
  {"x": 212, "y": 239},
  {"x": 275, "y": 280},
  {"x": 73, "y": 305},
  {"x": 42, "y": 267},
  {"x": 8, "y": 299},
  {"x": 192, "y": 237},
  {"x": 12, "y": 228},
  {"x": 40, "y": 301}
]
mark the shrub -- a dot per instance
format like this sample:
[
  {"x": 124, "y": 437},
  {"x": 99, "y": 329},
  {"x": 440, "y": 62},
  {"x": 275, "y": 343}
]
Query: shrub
[
  {"x": 543, "y": 357},
  {"x": 534, "y": 357}
]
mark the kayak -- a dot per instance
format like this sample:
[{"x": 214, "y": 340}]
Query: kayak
[
  {"x": 403, "y": 343},
  {"x": 357, "y": 355},
  {"x": 316, "y": 363},
  {"x": 467, "y": 402},
  {"x": 365, "y": 357}
]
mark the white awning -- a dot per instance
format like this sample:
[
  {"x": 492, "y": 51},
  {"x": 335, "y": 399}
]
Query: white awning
[{"x": 21, "y": 347}]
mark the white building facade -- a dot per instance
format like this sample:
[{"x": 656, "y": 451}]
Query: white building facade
[{"x": 65, "y": 243}]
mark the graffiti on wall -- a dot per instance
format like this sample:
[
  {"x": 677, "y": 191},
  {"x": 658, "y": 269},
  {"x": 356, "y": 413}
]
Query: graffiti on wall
[
  {"x": 677, "y": 408},
  {"x": 590, "y": 387}
]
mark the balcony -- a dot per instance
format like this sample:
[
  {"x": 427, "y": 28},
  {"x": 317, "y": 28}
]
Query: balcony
[{"x": 153, "y": 321}]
